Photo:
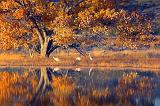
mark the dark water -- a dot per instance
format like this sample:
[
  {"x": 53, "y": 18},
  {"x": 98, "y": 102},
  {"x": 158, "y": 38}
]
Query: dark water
[{"x": 56, "y": 86}]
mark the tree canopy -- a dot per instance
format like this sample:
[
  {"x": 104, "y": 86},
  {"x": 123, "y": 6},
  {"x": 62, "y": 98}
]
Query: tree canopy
[{"x": 46, "y": 25}]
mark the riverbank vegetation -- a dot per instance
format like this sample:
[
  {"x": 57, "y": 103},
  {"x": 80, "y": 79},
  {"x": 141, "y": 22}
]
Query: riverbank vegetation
[{"x": 126, "y": 58}]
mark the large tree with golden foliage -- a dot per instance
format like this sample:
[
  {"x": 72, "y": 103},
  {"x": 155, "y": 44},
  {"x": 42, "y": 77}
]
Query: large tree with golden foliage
[{"x": 45, "y": 25}]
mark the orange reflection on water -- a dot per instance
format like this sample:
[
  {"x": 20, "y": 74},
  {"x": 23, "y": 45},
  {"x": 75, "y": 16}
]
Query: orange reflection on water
[{"x": 19, "y": 88}]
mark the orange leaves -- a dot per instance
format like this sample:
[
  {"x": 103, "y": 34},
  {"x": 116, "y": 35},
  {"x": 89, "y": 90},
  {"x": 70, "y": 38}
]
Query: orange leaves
[
  {"x": 63, "y": 36},
  {"x": 99, "y": 4},
  {"x": 62, "y": 19},
  {"x": 132, "y": 26},
  {"x": 12, "y": 28},
  {"x": 99, "y": 29},
  {"x": 51, "y": 16},
  {"x": 106, "y": 14},
  {"x": 6, "y": 4},
  {"x": 64, "y": 31},
  {"x": 85, "y": 18},
  {"x": 95, "y": 14},
  {"x": 19, "y": 13},
  {"x": 39, "y": 9},
  {"x": 65, "y": 21}
]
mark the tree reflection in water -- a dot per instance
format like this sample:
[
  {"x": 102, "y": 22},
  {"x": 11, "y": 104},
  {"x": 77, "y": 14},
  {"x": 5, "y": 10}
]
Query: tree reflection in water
[{"x": 51, "y": 88}]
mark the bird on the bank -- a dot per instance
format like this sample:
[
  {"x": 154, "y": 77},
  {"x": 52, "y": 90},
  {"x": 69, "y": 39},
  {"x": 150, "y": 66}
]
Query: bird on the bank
[
  {"x": 90, "y": 57},
  {"x": 78, "y": 59},
  {"x": 78, "y": 69},
  {"x": 56, "y": 59}
]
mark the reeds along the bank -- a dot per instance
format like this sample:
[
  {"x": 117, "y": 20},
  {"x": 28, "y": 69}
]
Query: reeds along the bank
[{"x": 127, "y": 58}]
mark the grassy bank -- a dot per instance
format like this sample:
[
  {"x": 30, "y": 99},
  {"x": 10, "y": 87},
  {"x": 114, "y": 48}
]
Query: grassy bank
[{"x": 133, "y": 59}]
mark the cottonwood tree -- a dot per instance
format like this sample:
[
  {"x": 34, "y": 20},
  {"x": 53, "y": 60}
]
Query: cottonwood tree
[
  {"x": 28, "y": 23},
  {"x": 45, "y": 25}
]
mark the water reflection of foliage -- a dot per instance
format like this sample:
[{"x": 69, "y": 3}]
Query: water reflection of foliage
[
  {"x": 132, "y": 87},
  {"x": 16, "y": 89}
]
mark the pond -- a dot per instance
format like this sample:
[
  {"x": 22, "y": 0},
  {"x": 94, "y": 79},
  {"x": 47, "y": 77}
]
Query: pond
[{"x": 48, "y": 86}]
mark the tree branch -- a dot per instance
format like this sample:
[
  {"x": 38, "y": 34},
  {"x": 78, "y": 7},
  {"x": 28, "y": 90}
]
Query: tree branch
[
  {"x": 78, "y": 48},
  {"x": 52, "y": 49},
  {"x": 38, "y": 30},
  {"x": 72, "y": 5},
  {"x": 8, "y": 10},
  {"x": 76, "y": 4},
  {"x": 20, "y": 3}
]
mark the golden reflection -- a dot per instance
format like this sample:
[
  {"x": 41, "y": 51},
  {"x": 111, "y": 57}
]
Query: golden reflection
[
  {"x": 63, "y": 85},
  {"x": 43, "y": 88},
  {"x": 15, "y": 89}
]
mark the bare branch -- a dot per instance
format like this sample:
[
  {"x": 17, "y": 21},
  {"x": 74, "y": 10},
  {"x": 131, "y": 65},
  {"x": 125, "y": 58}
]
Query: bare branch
[
  {"x": 38, "y": 30},
  {"x": 70, "y": 6},
  {"x": 76, "y": 4},
  {"x": 8, "y": 10},
  {"x": 78, "y": 48},
  {"x": 52, "y": 49},
  {"x": 19, "y": 2}
]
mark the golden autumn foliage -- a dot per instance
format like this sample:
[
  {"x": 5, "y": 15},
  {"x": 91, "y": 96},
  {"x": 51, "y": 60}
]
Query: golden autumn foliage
[
  {"x": 18, "y": 14},
  {"x": 48, "y": 25},
  {"x": 133, "y": 27}
]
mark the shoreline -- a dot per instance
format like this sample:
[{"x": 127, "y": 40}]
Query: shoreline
[
  {"x": 122, "y": 65},
  {"x": 86, "y": 67},
  {"x": 146, "y": 59}
]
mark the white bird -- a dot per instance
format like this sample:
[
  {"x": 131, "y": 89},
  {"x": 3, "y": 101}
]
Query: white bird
[
  {"x": 90, "y": 57},
  {"x": 78, "y": 58},
  {"x": 90, "y": 70},
  {"x": 78, "y": 69},
  {"x": 56, "y": 59}
]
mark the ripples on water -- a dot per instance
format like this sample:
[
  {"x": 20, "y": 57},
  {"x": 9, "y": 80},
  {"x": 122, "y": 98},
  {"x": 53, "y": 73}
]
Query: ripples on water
[{"x": 78, "y": 87}]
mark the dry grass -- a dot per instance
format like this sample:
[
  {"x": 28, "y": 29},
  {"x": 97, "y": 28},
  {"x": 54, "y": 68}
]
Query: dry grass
[
  {"x": 11, "y": 56},
  {"x": 128, "y": 58}
]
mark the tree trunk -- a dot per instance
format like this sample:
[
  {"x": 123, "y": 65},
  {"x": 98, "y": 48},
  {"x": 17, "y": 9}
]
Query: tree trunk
[
  {"x": 44, "y": 82},
  {"x": 44, "y": 49}
]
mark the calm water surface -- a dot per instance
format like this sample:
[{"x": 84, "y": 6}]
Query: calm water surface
[{"x": 55, "y": 86}]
